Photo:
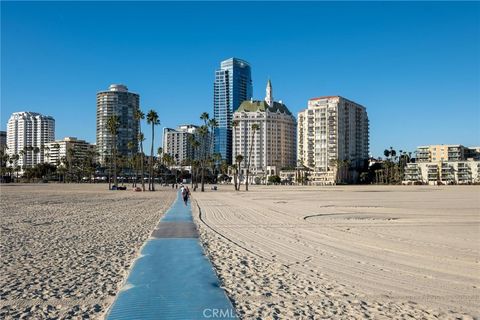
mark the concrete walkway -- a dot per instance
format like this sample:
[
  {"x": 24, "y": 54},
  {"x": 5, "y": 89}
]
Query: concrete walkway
[{"x": 172, "y": 278}]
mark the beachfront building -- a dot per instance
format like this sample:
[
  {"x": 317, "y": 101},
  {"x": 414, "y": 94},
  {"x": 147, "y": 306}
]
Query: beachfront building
[
  {"x": 333, "y": 140},
  {"x": 455, "y": 152},
  {"x": 443, "y": 172},
  {"x": 273, "y": 145},
  {"x": 177, "y": 143},
  {"x": 69, "y": 149},
  {"x": 444, "y": 164},
  {"x": 27, "y": 133},
  {"x": 117, "y": 100},
  {"x": 232, "y": 86}
]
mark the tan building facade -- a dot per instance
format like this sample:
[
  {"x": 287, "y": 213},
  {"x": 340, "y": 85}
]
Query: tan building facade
[
  {"x": 444, "y": 164},
  {"x": 441, "y": 152},
  {"x": 443, "y": 172},
  {"x": 273, "y": 145},
  {"x": 333, "y": 139},
  {"x": 117, "y": 101},
  {"x": 57, "y": 152}
]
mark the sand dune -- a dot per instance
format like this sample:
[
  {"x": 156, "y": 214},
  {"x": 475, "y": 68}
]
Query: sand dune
[
  {"x": 65, "y": 249},
  {"x": 346, "y": 252}
]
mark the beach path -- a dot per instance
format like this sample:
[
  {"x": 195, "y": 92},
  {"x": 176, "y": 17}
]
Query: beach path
[{"x": 172, "y": 278}]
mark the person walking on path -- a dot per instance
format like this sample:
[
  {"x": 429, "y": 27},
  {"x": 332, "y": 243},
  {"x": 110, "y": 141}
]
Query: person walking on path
[{"x": 185, "y": 194}]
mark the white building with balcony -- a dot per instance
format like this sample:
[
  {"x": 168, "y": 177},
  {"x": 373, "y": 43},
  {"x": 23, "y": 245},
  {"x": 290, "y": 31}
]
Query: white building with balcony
[
  {"x": 69, "y": 149},
  {"x": 178, "y": 143},
  {"x": 333, "y": 139},
  {"x": 444, "y": 164},
  {"x": 27, "y": 134}
]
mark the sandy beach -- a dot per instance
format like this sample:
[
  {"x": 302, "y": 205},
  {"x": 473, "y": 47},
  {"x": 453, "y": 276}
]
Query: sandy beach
[
  {"x": 65, "y": 248},
  {"x": 350, "y": 252}
]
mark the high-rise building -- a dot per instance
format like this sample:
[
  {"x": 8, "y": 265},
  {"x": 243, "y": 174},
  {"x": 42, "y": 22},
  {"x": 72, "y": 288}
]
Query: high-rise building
[
  {"x": 333, "y": 139},
  {"x": 177, "y": 143},
  {"x": 27, "y": 134},
  {"x": 58, "y": 152},
  {"x": 273, "y": 145},
  {"x": 232, "y": 86},
  {"x": 117, "y": 100}
]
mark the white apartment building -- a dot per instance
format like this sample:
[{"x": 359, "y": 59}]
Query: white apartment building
[
  {"x": 333, "y": 139},
  {"x": 177, "y": 143},
  {"x": 27, "y": 133},
  {"x": 444, "y": 164},
  {"x": 57, "y": 152},
  {"x": 443, "y": 172},
  {"x": 273, "y": 144}
]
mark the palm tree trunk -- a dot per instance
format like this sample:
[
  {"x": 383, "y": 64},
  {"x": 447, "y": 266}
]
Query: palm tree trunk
[
  {"x": 109, "y": 170},
  {"x": 115, "y": 162},
  {"x": 133, "y": 170},
  {"x": 239, "y": 183},
  {"x": 151, "y": 185},
  {"x": 235, "y": 178},
  {"x": 142, "y": 166},
  {"x": 203, "y": 176},
  {"x": 249, "y": 159}
]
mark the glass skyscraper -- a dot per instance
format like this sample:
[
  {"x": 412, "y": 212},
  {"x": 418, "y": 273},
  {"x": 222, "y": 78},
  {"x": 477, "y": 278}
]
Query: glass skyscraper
[{"x": 232, "y": 86}]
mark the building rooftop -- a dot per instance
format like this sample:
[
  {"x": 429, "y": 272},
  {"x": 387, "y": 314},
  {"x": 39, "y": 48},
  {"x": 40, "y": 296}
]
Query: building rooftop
[
  {"x": 440, "y": 145},
  {"x": 338, "y": 97},
  {"x": 324, "y": 97},
  {"x": 262, "y": 106}
]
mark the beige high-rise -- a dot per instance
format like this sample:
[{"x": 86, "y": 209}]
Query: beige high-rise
[
  {"x": 117, "y": 101},
  {"x": 333, "y": 139},
  {"x": 273, "y": 145}
]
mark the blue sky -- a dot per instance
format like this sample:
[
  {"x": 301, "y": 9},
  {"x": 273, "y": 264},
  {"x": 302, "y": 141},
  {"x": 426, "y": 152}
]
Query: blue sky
[{"x": 415, "y": 66}]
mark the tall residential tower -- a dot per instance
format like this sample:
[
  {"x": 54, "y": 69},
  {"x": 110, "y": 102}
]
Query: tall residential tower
[
  {"x": 27, "y": 134},
  {"x": 333, "y": 139},
  {"x": 116, "y": 101},
  {"x": 232, "y": 86}
]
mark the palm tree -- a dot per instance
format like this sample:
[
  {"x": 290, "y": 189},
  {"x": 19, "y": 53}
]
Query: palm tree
[
  {"x": 113, "y": 123},
  {"x": 255, "y": 128},
  {"x": 70, "y": 159},
  {"x": 238, "y": 160},
  {"x": 160, "y": 158},
  {"x": 195, "y": 145},
  {"x": 131, "y": 146},
  {"x": 203, "y": 132},
  {"x": 213, "y": 124},
  {"x": 139, "y": 115},
  {"x": 168, "y": 161},
  {"x": 204, "y": 116},
  {"x": 386, "y": 153},
  {"x": 152, "y": 119}
]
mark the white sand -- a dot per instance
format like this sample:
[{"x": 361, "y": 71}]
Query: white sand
[
  {"x": 65, "y": 249},
  {"x": 350, "y": 252}
]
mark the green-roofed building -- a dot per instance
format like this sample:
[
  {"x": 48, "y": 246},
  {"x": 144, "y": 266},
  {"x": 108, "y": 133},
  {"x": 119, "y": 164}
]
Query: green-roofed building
[{"x": 274, "y": 143}]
